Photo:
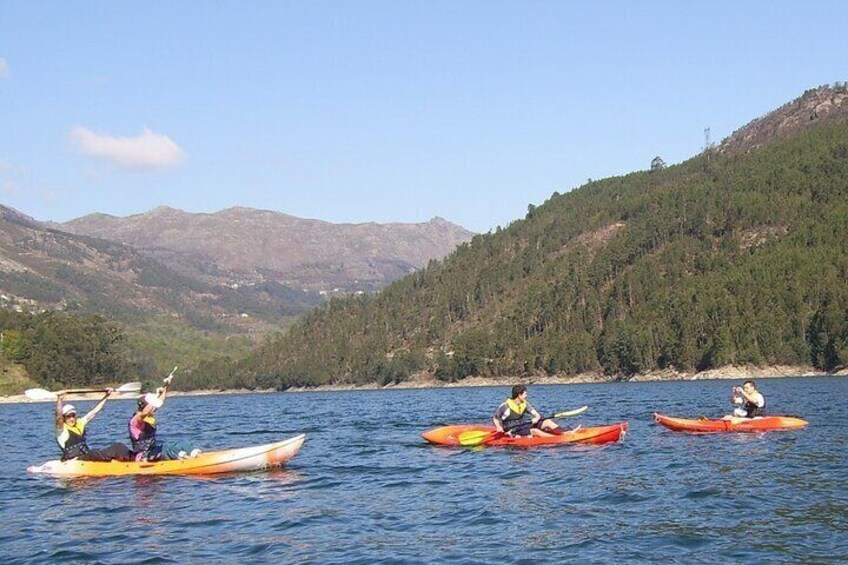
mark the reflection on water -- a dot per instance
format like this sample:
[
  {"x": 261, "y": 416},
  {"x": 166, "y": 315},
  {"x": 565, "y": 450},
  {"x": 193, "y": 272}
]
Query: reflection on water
[{"x": 367, "y": 488}]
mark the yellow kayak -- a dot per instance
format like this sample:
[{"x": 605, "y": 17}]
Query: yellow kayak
[{"x": 227, "y": 461}]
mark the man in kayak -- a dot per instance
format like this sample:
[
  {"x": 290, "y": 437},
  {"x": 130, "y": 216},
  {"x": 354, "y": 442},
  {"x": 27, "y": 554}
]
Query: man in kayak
[
  {"x": 70, "y": 433},
  {"x": 142, "y": 430},
  {"x": 509, "y": 417},
  {"x": 749, "y": 402}
]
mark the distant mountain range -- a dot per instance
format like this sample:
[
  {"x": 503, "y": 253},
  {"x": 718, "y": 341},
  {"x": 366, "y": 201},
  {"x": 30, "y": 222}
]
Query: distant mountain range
[
  {"x": 248, "y": 246},
  {"x": 44, "y": 268},
  {"x": 177, "y": 279}
]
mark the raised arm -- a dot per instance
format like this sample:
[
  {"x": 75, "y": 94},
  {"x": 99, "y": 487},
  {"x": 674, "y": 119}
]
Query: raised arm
[
  {"x": 99, "y": 406},
  {"x": 60, "y": 418}
]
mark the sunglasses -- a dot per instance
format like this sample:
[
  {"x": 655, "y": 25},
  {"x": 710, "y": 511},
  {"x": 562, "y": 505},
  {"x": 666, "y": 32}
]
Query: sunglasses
[{"x": 71, "y": 415}]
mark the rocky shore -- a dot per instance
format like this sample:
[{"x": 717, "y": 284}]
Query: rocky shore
[{"x": 730, "y": 372}]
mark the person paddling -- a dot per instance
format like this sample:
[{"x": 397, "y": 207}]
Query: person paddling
[
  {"x": 749, "y": 402},
  {"x": 142, "y": 430},
  {"x": 509, "y": 417},
  {"x": 71, "y": 433}
]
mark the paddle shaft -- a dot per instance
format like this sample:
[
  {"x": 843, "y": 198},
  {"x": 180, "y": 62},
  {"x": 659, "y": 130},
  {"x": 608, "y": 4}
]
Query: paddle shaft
[
  {"x": 566, "y": 414},
  {"x": 85, "y": 390},
  {"x": 42, "y": 394},
  {"x": 124, "y": 388}
]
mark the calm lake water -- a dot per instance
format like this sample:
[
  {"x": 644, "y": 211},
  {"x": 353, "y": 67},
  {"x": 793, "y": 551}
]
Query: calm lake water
[{"x": 366, "y": 489}]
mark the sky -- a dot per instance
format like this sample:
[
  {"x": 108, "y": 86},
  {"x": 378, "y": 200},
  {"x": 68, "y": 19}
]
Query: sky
[{"x": 381, "y": 111}]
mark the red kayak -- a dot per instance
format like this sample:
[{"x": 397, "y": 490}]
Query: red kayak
[
  {"x": 450, "y": 435},
  {"x": 750, "y": 425}
]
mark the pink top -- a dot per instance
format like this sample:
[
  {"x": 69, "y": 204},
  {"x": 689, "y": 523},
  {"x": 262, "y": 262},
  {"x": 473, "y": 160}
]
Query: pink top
[{"x": 135, "y": 433}]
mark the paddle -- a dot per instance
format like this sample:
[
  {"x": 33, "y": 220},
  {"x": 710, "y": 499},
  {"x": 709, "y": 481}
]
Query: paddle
[
  {"x": 41, "y": 394},
  {"x": 473, "y": 438},
  {"x": 167, "y": 380}
]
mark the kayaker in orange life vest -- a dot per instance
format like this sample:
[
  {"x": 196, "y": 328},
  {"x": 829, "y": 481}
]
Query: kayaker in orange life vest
[
  {"x": 509, "y": 417},
  {"x": 749, "y": 402},
  {"x": 70, "y": 433}
]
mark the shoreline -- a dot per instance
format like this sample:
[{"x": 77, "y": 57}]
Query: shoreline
[{"x": 730, "y": 372}]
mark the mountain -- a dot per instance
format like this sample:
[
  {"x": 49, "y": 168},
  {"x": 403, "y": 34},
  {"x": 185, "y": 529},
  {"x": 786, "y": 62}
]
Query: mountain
[
  {"x": 815, "y": 108},
  {"x": 244, "y": 245},
  {"x": 738, "y": 255},
  {"x": 166, "y": 311}
]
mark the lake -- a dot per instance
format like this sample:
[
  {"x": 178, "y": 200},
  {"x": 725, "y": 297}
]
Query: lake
[{"x": 366, "y": 488}]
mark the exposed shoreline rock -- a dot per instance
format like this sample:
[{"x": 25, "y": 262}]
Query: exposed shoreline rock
[{"x": 730, "y": 372}]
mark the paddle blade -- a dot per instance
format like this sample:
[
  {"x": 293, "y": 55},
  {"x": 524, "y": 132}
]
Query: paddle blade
[
  {"x": 129, "y": 388},
  {"x": 568, "y": 413},
  {"x": 39, "y": 394},
  {"x": 472, "y": 438}
]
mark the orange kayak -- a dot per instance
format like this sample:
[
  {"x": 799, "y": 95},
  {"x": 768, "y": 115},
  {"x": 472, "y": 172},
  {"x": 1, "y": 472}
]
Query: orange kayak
[
  {"x": 751, "y": 425},
  {"x": 228, "y": 461},
  {"x": 449, "y": 435}
]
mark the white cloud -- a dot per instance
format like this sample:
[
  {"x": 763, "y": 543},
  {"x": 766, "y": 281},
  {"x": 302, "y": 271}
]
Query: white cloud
[
  {"x": 4, "y": 69},
  {"x": 148, "y": 150}
]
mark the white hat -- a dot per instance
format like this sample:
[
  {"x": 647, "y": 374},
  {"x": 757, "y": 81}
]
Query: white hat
[
  {"x": 67, "y": 409},
  {"x": 153, "y": 400}
]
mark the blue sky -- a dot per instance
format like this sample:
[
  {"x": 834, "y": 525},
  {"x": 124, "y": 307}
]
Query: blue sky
[{"x": 381, "y": 111}]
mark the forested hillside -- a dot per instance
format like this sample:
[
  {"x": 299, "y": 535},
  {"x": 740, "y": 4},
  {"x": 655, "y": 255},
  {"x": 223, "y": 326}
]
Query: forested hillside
[
  {"x": 59, "y": 349},
  {"x": 731, "y": 257}
]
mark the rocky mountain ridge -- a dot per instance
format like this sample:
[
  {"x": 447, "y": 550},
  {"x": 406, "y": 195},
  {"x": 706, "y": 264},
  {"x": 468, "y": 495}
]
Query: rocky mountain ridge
[
  {"x": 244, "y": 245},
  {"x": 816, "y": 107},
  {"x": 48, "y": 269}
]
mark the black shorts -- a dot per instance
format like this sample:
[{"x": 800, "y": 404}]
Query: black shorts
[{"x": 521, "y": 429}]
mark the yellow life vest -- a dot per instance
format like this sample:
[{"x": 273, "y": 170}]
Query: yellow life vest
[
  {"x": 516, "y": 407},
  {"x": 72, "y": 439},
  {"x": 77, "y": 430}
]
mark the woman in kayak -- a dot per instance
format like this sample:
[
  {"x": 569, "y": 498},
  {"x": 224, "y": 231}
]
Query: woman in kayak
[
  {"x": 70, "y": 433},
  {"x": 509, "y": 417},
  {"x": 142, "y": 430},
  {"x": 749, "y": 402}
]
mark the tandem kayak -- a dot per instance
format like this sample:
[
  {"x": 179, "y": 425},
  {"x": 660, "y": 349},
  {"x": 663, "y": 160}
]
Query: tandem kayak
[
  {"x": 750, "y": 425},
  {"x": 449, "y": 435},
  {"x": 231, "y": 460}
]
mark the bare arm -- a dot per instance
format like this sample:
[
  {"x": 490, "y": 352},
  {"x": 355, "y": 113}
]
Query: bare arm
[
  {"x": 145, "y": 412},
  {"x": 60, "y": 418},
  {"x": 755, "y": 397},
  {"x": 99, "y": 406},
  {"x": 497, "y": 423}
]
